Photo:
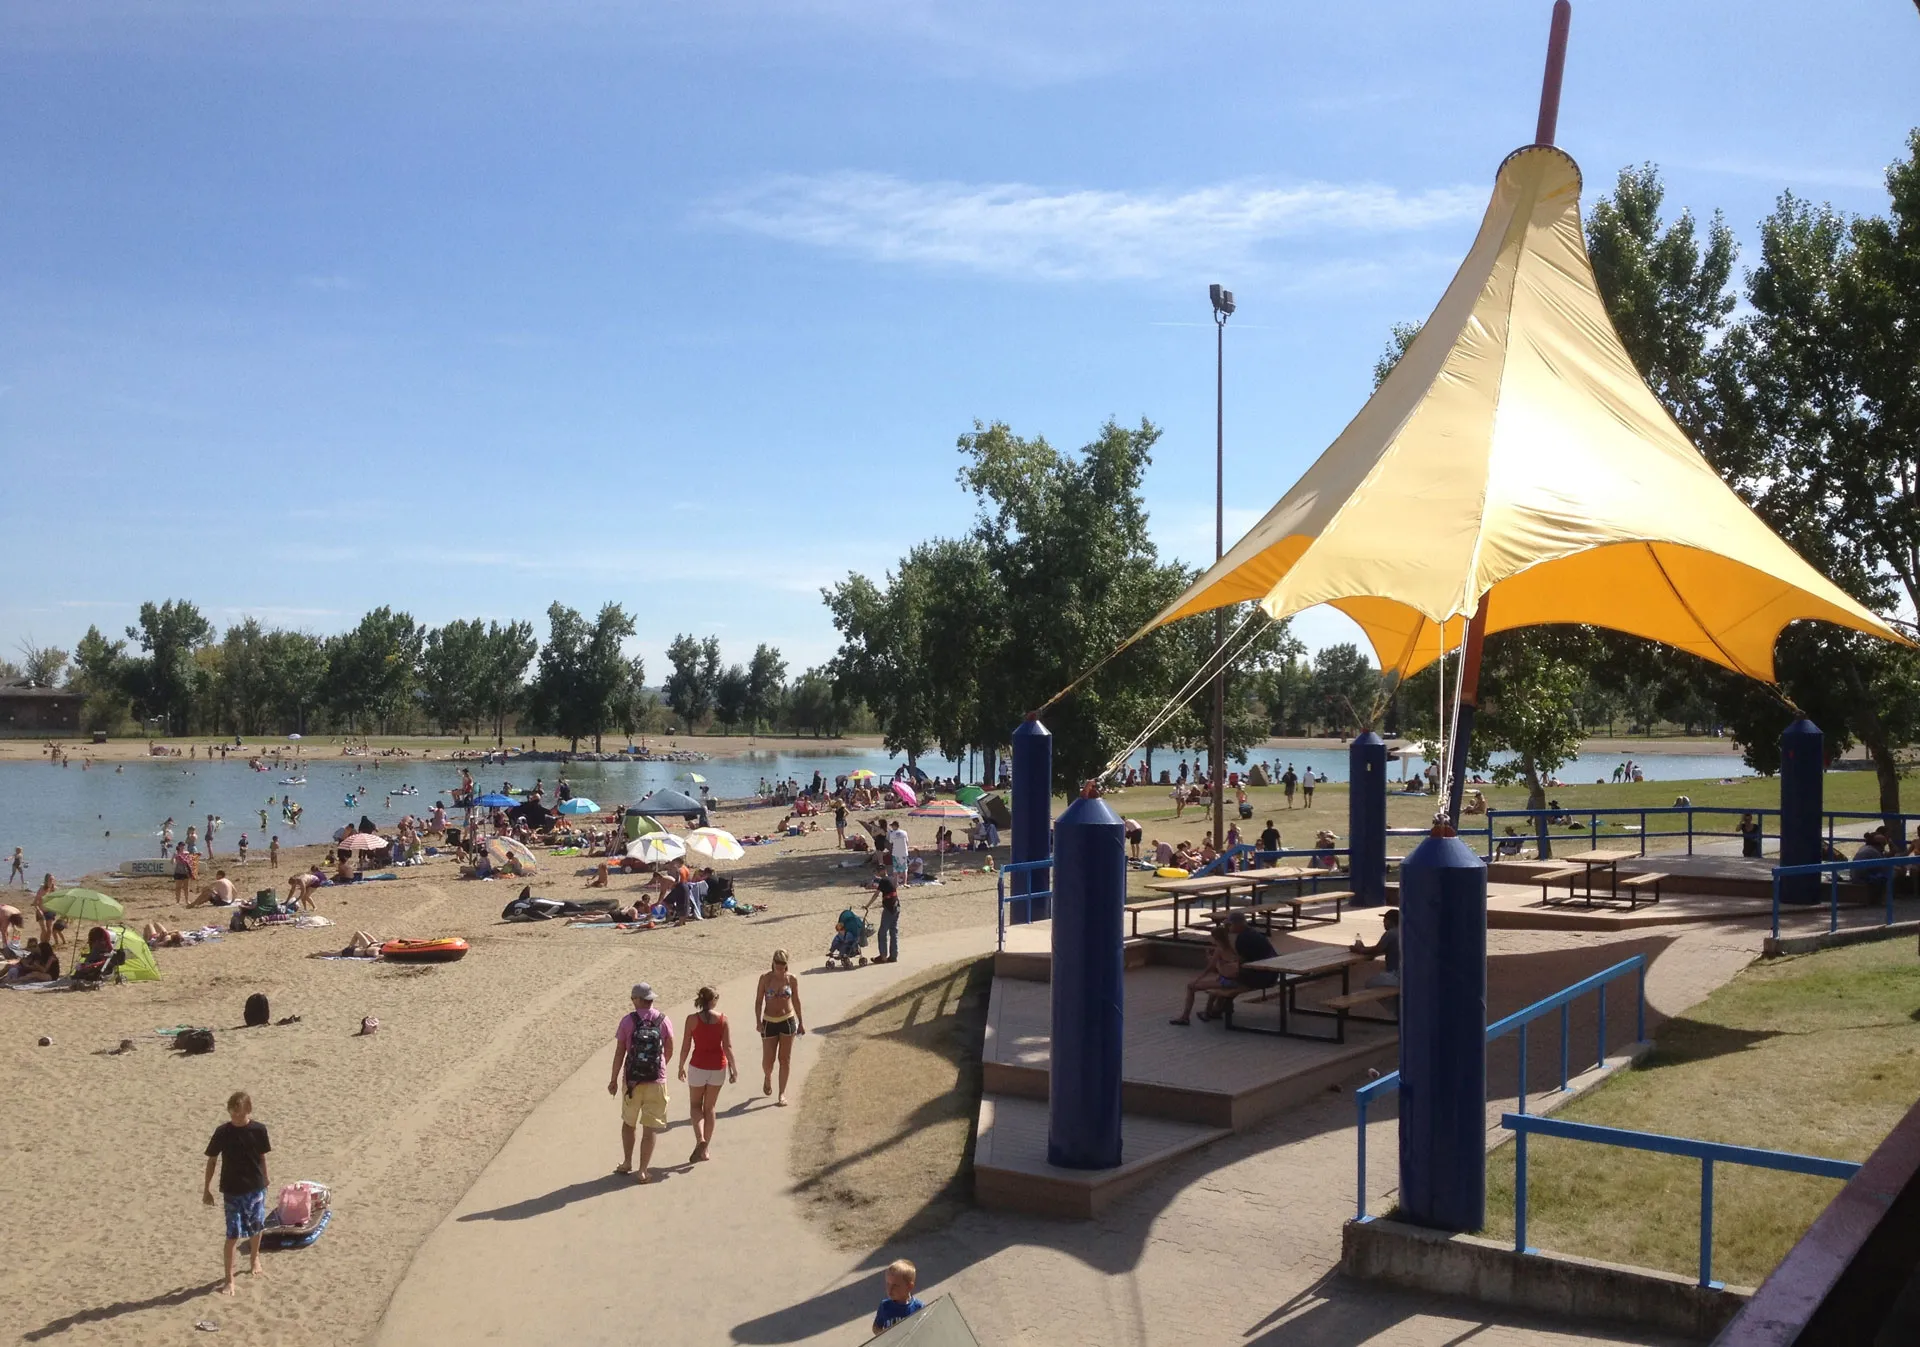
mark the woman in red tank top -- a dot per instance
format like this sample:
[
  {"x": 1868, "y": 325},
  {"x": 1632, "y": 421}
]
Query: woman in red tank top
[{"x": 707, "y": 1040}]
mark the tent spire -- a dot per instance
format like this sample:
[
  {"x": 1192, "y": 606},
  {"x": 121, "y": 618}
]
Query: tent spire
[
  {"x": 1468, "y": 705},
  {"x": 1556, "y": 66}
]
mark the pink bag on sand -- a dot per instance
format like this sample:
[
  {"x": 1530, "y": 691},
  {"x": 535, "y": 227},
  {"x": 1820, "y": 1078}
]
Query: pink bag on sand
[{"x": 296, "y": 1205}]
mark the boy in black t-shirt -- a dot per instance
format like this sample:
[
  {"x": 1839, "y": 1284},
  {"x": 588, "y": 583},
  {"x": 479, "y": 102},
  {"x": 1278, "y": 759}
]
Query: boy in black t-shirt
[
  {"x": 889, "y": 895},
  {"x": 239, "y": 1147}
]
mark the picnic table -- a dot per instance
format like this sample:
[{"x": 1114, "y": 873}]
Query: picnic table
[
  {"x": 1601, "y": 860},
  {"x": 1295, "y": 970},
  {"x": 1186, "y": 892}
]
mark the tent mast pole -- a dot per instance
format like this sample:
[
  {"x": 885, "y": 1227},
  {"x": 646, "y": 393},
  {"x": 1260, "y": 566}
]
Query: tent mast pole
[{"x": 1543, "y": 134}]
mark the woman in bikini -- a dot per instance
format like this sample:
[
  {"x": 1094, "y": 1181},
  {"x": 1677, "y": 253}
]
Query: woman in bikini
[
  {"x": 777, "y": 1016},
  {"x": 710, "y": 1043},
  {"x": 1223, "y": 967}
]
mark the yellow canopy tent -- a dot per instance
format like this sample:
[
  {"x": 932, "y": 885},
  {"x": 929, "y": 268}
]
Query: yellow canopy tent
[{"x": 1514, "y": 452}]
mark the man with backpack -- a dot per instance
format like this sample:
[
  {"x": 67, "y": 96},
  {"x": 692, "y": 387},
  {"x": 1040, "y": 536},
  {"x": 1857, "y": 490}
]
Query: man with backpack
[{"x": 642, "y": 1048}]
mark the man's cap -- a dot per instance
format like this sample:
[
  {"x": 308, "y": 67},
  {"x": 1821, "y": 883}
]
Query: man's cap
[
  {"x": 643, "y": 991},
  {"x": 1236, "y": 919}
]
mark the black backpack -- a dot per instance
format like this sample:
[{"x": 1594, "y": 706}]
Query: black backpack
[
  {"x": 257, "y": 1013},
  {"x": 194, "y": 1041},
  {"x": 644, "y": 1051}
]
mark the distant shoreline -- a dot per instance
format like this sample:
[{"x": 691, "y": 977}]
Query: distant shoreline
[{"x": 420, "y": 748}]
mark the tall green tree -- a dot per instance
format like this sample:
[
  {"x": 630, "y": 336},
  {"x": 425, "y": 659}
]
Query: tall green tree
[
  {"x": 371, "y": 669},
  {"x": 99, "y": 675},
  {"x": 733, "y": 701},
  {"x": 766, "y": 681},
  {"x": 453, "y": 666},
  {"x": 293, "y": 666},
  {"x": 582, "y": 674},
  {"x": 503, "y": 679},
  {"x": 161, "y": 680}
]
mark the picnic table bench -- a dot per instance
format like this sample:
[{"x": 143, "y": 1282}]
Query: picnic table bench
[
  {"x": 1294, "y": 970},
  {"x": 1302, "y": 905},
  {"x": 1583, "y": 865}
]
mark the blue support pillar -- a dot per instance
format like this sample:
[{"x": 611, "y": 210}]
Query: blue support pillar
[
  {"x": 1443, "y": 1022},
  {"x": 1367, "y": 818},
  {"x": 1032, "y": 816},
  {"x": 1089, "y": 911},
  {"x": 1803, "y": 764}
]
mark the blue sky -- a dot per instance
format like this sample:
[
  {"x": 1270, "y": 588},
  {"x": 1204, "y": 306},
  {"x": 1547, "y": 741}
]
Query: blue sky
[{"x": 468, "y": 305}]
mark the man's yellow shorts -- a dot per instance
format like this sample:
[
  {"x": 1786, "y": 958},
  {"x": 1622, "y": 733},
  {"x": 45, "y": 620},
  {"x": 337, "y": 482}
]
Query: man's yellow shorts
[{"x": 645, "y": 1106}]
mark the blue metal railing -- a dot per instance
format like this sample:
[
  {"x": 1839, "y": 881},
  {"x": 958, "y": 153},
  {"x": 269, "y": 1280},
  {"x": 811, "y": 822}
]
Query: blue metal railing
[
  {"x": 1021, "y": 868},
  {"x": 1892, "y": 865},
  {"x": 1708, "y": 1153},
  {"x": 1561, "y": 1001},
  {"x": 1690, "y": 832}
]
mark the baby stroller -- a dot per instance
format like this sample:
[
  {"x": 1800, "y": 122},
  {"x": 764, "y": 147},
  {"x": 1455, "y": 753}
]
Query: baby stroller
[{"x": 849, "y": 935}]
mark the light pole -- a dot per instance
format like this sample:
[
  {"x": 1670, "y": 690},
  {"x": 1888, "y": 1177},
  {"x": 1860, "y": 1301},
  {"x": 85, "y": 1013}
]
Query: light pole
[{"x": 1222, "y": 310}]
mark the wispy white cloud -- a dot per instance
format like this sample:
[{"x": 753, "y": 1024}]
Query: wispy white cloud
[
  {"x": 1017, "y": 230},
  {"x": 1796, "y": 177}
]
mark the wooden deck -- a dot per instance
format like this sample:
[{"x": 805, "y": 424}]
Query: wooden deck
[{"x": 1196, "y": 1073}]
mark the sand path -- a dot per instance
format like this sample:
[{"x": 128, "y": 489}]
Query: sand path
[{"x": 549, "y": 1245}]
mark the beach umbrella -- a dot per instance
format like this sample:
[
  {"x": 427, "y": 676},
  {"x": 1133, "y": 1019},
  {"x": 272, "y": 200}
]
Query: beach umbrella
[
  {"x": 864, "y": 774},
  {"x": 968, "y": 794},
  {"x": 293, "y": 736},
  {"x": 657, "y": 847},
  {"x": 950, "y": 810},
  {"x": 716, "y": 844},
  {"x": 508, "y": 854},
  {"x": 84, "y": 905},
  {"x": 694, "y": 777},
  {"x": 496, "y": 801},
  {"x": 362, "y": 842},
  {"x": 579, "y": 805},
  {"x": 669, "y": 802},
  {"x": 947, "y": 809},
  {"x": 905, "y": 792}
]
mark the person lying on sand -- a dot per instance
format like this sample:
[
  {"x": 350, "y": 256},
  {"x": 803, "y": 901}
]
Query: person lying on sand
[{"x": 159, "y": 934}]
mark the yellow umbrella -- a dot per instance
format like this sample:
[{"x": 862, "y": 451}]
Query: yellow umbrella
[{"x": 1515, "y": 454}]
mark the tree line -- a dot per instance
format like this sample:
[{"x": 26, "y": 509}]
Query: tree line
[{"x": 174, "y": 673}]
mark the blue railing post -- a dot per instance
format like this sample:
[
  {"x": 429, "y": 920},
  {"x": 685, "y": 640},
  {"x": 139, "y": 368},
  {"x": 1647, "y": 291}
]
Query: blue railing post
[
  {"x": 1706, "y": 1220},
  {"x": 1000, "y": 907},
  {"x": 1603, "y": 1028},
  {"x": 1522, "y": 1090},
  {"x": 1520, "y": 1192},
  {"x": 1891, "y": 872},
  {"x": 1360, "y": 1204},
  {"x": 1566, "y": 1028},
  {"x": 1643, "y": 832},
  {"x": 1640, "y": 1009},
  {"x": 1833, "y": 906},
  {"x": 1689, "y": 832}
]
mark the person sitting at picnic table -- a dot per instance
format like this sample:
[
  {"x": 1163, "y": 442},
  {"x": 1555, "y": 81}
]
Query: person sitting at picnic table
[
  {"x": 1750, "y": 836},
  {"x": 1250, "y": 945},
  {"x": 1388, "y": 948},
  {"x": 1221, "y": 972},
  {"x": 1873, "y": 846},
  {"x": 1323, "y": 849}
]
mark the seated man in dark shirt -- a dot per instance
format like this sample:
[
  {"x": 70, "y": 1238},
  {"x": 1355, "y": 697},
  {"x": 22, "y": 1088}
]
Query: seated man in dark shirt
[{"x": 1248, "y": 945}]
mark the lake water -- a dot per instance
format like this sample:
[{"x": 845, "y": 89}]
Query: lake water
[{"x": 73, "y": 822}]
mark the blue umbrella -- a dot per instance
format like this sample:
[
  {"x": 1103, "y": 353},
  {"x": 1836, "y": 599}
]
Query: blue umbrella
[
  {"x": 496, "y": 801},
  {"x": 579, "y": 805}
]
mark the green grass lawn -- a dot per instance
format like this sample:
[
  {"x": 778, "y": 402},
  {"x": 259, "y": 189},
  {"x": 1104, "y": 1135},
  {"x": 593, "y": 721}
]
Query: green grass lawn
[{"x": 1818, "y": 1054}]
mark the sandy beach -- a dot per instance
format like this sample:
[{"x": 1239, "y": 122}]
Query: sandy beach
[{"x": 102, "y": 1234}]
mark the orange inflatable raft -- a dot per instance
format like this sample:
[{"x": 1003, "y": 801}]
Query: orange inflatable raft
[{"x": 444, "y": 950}]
